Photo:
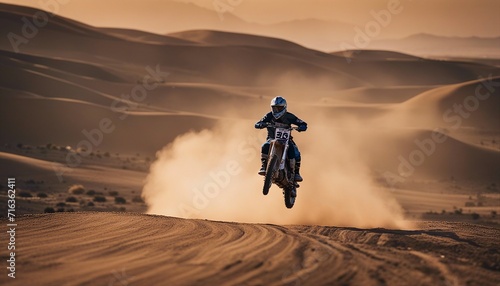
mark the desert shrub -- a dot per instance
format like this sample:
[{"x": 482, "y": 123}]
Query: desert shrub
[
  {"x": 90, "y": 204},
  {"x": 71, "y": 210},
  {"x": 137, "y": 199},
  {"x": 475, "y": 216},
  {"x": 459, "y": 211},
  {"x": 113, "y": 193},
  {"x": 470, "y": 204},
  {"x": 61, "y": 204},
  {"x": 493, "y": 214},
  {"x": 100, "y": 199},
  {"x": 42, "y": 195},
  {"x": 60, "y": 210},
  {"x": 24, "y": 194},
  {"x": 49, "y": 210},
  {"x": 71, "y": 200},
  {"x": 120, "y": 200},
  {"x": 90, "y": 193},
  {"x": 122, "y": 209},
  {"x": 76, "y": 190}
]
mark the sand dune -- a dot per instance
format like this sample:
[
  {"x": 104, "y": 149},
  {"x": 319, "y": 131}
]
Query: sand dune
[
  {"x": 110, "y": 248},
  {"x": 379, "y": 95},
  {"x": 68, "y": 76},
  {"x": 375, "y": 55},
  {"x": 45, "y": 117},
  {"x": 192, "y": 98},
  {"x": 415, "y": 154},
  {"x": 475, "y": 103},
  {"x": 219, "y": 38}
]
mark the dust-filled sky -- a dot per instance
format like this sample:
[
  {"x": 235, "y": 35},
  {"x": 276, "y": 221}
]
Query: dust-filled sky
[{"x": 440, "y": 17}]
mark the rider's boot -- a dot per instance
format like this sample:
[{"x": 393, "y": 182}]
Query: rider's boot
[
  {"x": 263, "y": 159},
  {"x": 298, "y": 177}
]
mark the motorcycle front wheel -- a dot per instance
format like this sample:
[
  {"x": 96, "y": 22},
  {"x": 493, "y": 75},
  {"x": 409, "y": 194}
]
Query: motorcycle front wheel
[{"x": 268, "y": 180}]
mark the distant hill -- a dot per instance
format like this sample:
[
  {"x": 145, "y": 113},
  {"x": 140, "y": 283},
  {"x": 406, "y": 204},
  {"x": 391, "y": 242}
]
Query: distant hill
[{"x": 432, "y": 45}]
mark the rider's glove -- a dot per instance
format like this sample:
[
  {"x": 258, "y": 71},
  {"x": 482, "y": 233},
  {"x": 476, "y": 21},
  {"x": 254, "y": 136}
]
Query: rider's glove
[
  {"x": 260, "y": 125},
  {"x": 302, "y": 128}
]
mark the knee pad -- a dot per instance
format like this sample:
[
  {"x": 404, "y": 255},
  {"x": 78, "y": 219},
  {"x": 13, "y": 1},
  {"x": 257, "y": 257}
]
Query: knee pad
[{"x": 265, "y": 148}]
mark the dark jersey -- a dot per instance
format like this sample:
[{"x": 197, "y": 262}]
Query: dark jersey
[{"x": 287, "y": 119}]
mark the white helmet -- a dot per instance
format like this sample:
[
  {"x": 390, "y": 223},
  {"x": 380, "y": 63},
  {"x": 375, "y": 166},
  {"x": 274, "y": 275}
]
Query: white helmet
[{"x": 278, "y": 106}]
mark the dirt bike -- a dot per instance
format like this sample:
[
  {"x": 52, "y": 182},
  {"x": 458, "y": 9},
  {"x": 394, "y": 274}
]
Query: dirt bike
[{"x": 281, "y": 171}]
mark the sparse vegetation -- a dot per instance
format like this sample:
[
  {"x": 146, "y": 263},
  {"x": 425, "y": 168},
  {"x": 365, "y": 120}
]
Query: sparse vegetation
[
  {"x": 49, "y": 210},
  {"x": 25, "y": 194},
  {"x": 42, "y": 195},
  {"x": 90, "y": 193},
  {"x": 61, "y": 204},
  {"x": 137, "y": 199},
  {"x": 475, "y": 216},
  {"x": 71, "y": 200},
  {"x": 76, "y": 190},
  {"x": 470, "y": 204},
  {"x": 60, "y": 210},
  {"x": 492, "y": 187},
  {"x": 99, "y": 199},
  {"x": 90, "y": 204},
  {"x": 120, "y": 200},
  {"x": 113, "y": 193}
]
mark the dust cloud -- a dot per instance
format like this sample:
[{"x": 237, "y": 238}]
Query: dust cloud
[{"x": 212, "y": 174}]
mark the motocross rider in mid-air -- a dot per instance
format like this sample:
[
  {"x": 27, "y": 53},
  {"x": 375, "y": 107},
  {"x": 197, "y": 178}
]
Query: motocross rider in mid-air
[{"x": 279, "y": 114}]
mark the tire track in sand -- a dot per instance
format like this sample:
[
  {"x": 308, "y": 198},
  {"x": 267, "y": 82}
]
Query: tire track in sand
[{"x": 136, "y": 249}]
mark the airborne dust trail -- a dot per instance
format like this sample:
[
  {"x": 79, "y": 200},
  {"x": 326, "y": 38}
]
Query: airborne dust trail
[{"x": 212, "y": 175}]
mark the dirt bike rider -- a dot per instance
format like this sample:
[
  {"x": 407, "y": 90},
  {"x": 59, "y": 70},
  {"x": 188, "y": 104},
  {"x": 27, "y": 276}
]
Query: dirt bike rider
[{"x": 279, "y": 114}]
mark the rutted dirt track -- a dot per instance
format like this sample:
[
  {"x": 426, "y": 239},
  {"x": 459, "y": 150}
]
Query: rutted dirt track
[{"x": 134, "y": 249}]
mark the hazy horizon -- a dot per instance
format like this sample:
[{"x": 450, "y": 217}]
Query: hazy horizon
[{"x": 460, "y": 18}]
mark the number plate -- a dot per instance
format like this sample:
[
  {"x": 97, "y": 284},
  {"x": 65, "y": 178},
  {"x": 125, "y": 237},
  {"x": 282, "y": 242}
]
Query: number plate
[{"x": 282, "y": 133}]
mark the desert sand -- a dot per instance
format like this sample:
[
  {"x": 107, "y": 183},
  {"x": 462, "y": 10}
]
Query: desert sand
[
  {"x": 135, "y": 160},
  {"x": 135, "y": 249}
]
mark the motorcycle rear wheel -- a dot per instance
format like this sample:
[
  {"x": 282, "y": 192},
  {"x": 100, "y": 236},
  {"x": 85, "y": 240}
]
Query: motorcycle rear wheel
[{"x": 289, "y": 198}]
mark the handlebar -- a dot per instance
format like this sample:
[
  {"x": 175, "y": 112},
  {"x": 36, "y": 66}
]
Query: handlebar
[{"x": 281, "y": 126}]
